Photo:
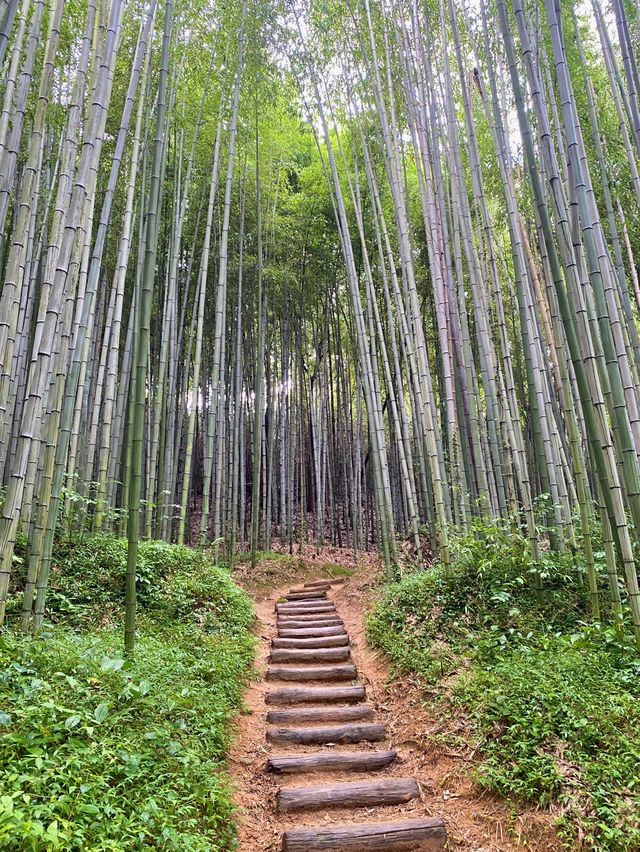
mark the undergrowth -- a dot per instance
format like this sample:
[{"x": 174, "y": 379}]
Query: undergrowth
[
  {"x": 552, "y": 698},
  {"x": 98, "y": 753}
]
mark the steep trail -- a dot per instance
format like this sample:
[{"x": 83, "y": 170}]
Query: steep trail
[{"x": 362, "y": 732}]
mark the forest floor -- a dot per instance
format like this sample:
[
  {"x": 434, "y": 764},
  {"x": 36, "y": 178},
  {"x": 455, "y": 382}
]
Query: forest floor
[{"x": 421, "y": 735}]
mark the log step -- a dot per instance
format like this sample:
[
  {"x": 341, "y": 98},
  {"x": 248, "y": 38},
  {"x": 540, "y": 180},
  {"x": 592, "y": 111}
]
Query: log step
[
  {"x": 346, "y": 672},
  {"x": 348, "y": 794},
  {"x": 332, "y": 581},
  {"x": 303, "y": 715},
  {"x": 308, "y": 595},
  {"x": 297, "y": 632},
  {"x": 330, "y": 761},
  {"x": 308, "y": 598},
  {"x": 415, "y": 835},
  {"x": 316, "y": 695},
  {"x": 312, "y": 617},
  {"x": 289, "y": 623},
  {"x": 320, "y": 642},
  {"x": 309, "y": 655},
  {"x": 308, "y": 611},
  {"x": 366, "y": 733},
  {"x": 301, "y": 606}
]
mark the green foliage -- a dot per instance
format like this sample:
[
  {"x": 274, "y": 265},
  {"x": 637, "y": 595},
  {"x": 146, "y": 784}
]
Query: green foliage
[
  {"x": 333, "y": 570},
  {"x": 493, "y": 586},
  {"x": 89, "y": 572},
  {"x": 244, "y": 558},
  {"x": 205, "y": 593},
  {"x": 98, "y": 753},
  {"x": 553, "y": 700},
  {"x": 560, "y": 719}
]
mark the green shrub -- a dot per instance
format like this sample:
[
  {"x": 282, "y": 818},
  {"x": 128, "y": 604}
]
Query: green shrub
[
  {"x": 204, "y": 592},
  {"x": 88, "y": 574}
]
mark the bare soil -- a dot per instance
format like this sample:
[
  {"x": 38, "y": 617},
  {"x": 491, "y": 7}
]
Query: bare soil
[{"x": 416, "y": 730}]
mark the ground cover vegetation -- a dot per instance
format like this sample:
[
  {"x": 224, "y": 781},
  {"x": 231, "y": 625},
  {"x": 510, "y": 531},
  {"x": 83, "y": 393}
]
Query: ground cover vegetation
[
  {"x": 99, "y": 752},
  {"x": 552, "y": 697}
]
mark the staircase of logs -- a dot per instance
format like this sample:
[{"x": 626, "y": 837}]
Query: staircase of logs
[{"x": 321, "y": 704}]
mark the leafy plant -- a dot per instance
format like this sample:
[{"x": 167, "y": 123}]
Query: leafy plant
[{"x": 99, "y": 753}]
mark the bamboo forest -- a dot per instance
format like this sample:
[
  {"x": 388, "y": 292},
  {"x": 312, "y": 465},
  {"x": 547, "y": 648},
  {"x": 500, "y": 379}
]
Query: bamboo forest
[{"x": 319, "y": 425}]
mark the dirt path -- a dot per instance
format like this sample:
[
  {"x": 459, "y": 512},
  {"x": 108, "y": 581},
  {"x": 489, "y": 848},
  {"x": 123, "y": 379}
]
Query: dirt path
[{"x": 473, "y": 822}]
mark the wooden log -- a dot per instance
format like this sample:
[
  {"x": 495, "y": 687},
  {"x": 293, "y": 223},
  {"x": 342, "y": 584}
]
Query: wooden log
[
  {"x": 331, "y": 761},
  {"x": 305, "y": 613},
  {"x": 311, "y": 616},
  {"x": 297, "y": 632},
  {"x": 310, "y": 625},
  {"x": 414, "y": 835},
  {"x": 345, "y": 672},
  {"x": 327, "y": 615},
  {"x": 332, "y": 580},
  {"x": 367, "y": 732},
  {"x": 307, "y": 620},
  {"x": 309, "y": 655},
  {"x": 348, "y": 794},
  {"x": 288, "y": 623},
  {"x": 308, "y": 595},
  {"x": 319, "y": 584},
  {"x": 320, "y": 714},
  {"x": 320, "y": 642},
  {"x": 297, "y": 606},
  {"x": 316, "y": 695}
]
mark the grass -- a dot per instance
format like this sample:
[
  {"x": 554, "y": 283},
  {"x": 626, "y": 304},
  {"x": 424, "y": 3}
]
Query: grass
[
  {"x": 98, "y": 753},
  {"x": 333, "y": 570},
  {"x": 553, "y": 699}
]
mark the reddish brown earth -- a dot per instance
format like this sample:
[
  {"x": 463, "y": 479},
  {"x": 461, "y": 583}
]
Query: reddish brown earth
[{"x": 417, "y": 731}]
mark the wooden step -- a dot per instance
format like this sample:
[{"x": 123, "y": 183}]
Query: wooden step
[
  {"x": 365, "y": 733},
  {"x": 344, "y": 672},
  {"x": 308, "y": 595},
  {"x": 348, "y": 794},
  {"x": 306, "y": 600},
  {"x": 312, "y": 617},
  {"x": 299, "y": 632},
  {"x": 307, "y": 715},
  {"x": 412, "y": 835},
  {"x": 305, "y": 613},
  {"x": 320, "y": 606},
  {"x": 309, "y": 655},
  {"x": 319, "y": 584},
  {"x": 288, "y": 623},
  {"x": 306, "y": 610},
  {"x": 331, "y": 761},
  {"x": 294, "y": 624},
  {"x": 320, "y": 642},
  {"x": 316, "y": 695},
  {"x": 332, "y": 580}
]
